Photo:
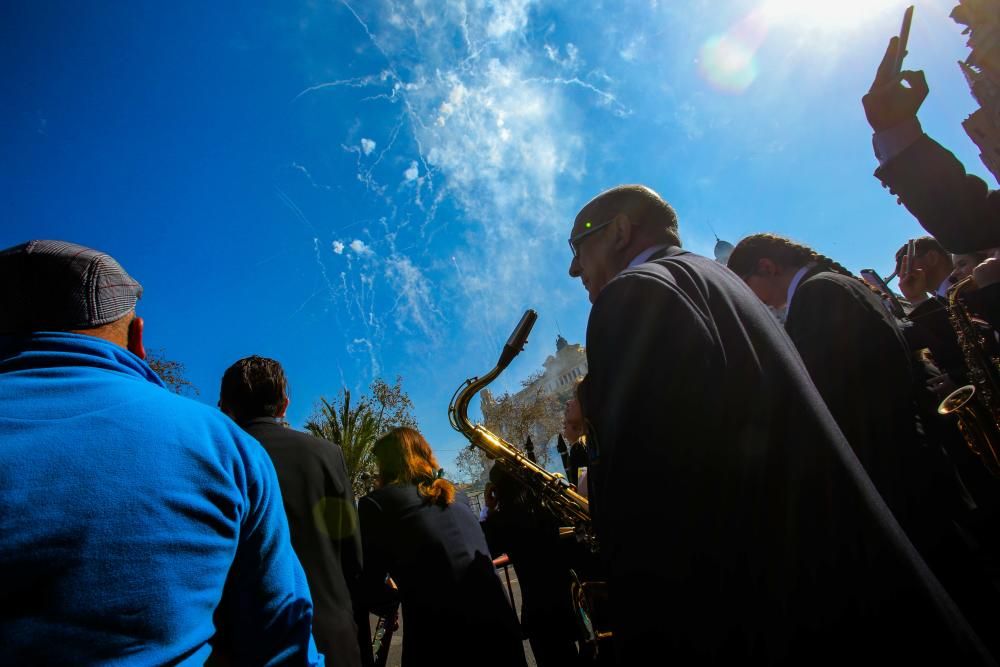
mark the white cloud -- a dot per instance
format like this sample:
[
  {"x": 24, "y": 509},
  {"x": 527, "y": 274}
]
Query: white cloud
[
  {"x": 360, "y": 249},
  {"x": 508, "y": 16},
  {"x": 571, "y": 61},
  {"x": 338, "y": 247},
  {"x": 414, "y": 302},
  {"x": 633, "y": 49},
  {"x": 367, "y": 146},
  {"x": 490, "y": 122}
]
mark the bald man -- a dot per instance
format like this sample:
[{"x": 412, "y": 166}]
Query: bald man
[{"x": 706, "y": 429}]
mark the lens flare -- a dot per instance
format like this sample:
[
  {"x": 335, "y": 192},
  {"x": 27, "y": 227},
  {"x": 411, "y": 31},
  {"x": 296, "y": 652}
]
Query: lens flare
[
  {"x": 828, "y": 15},
  {"x": 727, "y": 61}
]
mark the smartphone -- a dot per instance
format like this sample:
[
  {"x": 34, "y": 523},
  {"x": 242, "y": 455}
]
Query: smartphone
[
  {"x": 904, "y": 37},
  {"x": 906, "y": 263},
  {"x": 872, "y": 277}
]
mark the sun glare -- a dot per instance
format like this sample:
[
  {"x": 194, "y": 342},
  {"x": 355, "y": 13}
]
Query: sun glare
[
  {"x": 728, "y": 61},
  {"x": 827, "y": 15}
]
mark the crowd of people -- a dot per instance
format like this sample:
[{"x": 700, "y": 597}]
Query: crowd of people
[{"x": 811, "y": 504}]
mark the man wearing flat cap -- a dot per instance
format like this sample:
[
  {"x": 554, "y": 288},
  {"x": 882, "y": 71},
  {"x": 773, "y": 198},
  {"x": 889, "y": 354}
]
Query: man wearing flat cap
[{"x": 138, "y": 527}]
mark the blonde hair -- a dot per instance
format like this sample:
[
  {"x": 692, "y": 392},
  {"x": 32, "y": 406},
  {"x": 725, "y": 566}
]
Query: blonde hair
[{"x": 405, "y": 457}]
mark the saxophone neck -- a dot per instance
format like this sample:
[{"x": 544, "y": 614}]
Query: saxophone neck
[
  {"x": 956, "y": 290},
  {"x": 459, "y": 408}
]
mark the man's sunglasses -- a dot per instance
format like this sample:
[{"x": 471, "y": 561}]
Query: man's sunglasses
[{"x": 589, "y": 228}]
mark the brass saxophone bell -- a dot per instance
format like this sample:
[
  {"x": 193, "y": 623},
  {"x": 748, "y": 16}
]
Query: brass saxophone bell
[{"x": 976, "y": 424}]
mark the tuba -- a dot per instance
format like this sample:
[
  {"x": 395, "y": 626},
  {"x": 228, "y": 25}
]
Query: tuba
[{"x": 976, "y": 405}]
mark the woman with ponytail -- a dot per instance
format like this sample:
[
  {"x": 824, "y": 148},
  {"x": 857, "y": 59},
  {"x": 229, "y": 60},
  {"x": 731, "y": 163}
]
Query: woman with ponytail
[{"x": 417, "y": 529}]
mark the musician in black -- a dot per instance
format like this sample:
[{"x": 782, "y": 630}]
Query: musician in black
[
  {"x": 855, "y": 353},
  {"x": 417, "y": 529},
  {"x": 706, "y": 429},
  {"x": 520, "y": 527},
  {"x": 318, "y": 501},
  {"x": 575, "y": 432}
]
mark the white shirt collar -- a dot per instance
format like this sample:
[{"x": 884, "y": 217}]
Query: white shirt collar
[
  {"x": 646, "y": 254},
  {"x": 796, "y": 279},
  {"x": 943, "y": 288}
]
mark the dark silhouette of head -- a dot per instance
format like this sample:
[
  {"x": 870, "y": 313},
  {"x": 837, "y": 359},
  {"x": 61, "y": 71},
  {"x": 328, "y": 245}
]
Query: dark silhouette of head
[{"x": 254, "y": 387}]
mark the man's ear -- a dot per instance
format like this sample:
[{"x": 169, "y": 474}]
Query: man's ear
[
  {"x": 135, "y": 338},
  {"x": 767, "y": 268},
  {"x": 282, "y": 409},
  {"x": 623, "y": 231}
]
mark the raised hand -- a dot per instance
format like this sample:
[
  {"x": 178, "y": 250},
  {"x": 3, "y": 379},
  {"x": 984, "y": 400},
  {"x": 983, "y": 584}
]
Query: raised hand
[
  {"x": 912, "y": 282},
  {"x": 888, "y": 102}
]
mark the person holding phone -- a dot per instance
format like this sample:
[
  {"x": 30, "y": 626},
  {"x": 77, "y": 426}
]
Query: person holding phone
[
  {"x": 854, "y": 350},
  {"x": 889, "y": 299},
  {"x": 924, "y": 268},
  {"x": 957, "y": 208},
  {"x": 859, "y": 360},
  {"x": 705, "y": 426}
]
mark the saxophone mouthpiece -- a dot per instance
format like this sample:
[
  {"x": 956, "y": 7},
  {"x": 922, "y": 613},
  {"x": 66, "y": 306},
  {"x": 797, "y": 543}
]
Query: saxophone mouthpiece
[{"x": 517, "y": 339}]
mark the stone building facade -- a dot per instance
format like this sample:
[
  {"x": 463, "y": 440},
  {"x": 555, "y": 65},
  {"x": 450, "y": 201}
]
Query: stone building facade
[
  {"x": 562, "y": 371},
  {"x": 981, "y": 19}
]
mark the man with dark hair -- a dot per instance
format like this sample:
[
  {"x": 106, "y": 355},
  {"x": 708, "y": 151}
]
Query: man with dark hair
[
  {"x": 139, "y": 527},
  {"x": 706, "y": 427},
  {"x": 930, "y": 271},
  {"x": 318, "y": 501},
  {"x": 254, "y": 387}
]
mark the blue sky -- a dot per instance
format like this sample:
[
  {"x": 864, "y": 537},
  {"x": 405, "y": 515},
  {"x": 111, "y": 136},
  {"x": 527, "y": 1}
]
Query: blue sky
[{"x": 381, "y": 188}]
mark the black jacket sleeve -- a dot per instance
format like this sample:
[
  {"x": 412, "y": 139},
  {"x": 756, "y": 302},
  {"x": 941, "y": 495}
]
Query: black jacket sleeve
[
  {"x": 956, "y": 208},
  {"x": 376, "y": 594}
]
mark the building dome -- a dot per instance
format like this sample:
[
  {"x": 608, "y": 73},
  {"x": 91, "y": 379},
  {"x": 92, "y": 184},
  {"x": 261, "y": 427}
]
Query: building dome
[{"x": 723, "y": 249}]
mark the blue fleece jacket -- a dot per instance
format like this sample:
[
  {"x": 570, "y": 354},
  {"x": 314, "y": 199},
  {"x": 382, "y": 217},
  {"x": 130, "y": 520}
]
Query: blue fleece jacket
[{"x": 137, "y": 527}]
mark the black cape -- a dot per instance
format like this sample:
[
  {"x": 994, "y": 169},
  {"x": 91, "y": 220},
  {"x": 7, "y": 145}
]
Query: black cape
[{"x": 738, "y": 525}]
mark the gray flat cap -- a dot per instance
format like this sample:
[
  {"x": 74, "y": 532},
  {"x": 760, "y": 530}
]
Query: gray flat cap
[{"x": 58, "y": 286}]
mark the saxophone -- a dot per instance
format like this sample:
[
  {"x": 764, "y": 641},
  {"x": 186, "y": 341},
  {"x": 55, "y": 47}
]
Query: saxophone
[
  {"x": 975, "y": 405},
  {"x": 556, "y": 495}
]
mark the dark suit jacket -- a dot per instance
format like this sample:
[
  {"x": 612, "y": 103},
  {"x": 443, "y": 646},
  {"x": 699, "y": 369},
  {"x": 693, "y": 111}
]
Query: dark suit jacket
[
  {"x": 956, "y": 208},
  {"x": 455, "y": 611},
  {"x": 859, "y": 361},
  {"x": 529, "y": 535},
  {"x": 738, "y": 525},
  {"x": 319, "y": 503},
  {"x": 928, "y": 326},
  {"x": 857, "y": 358}
]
